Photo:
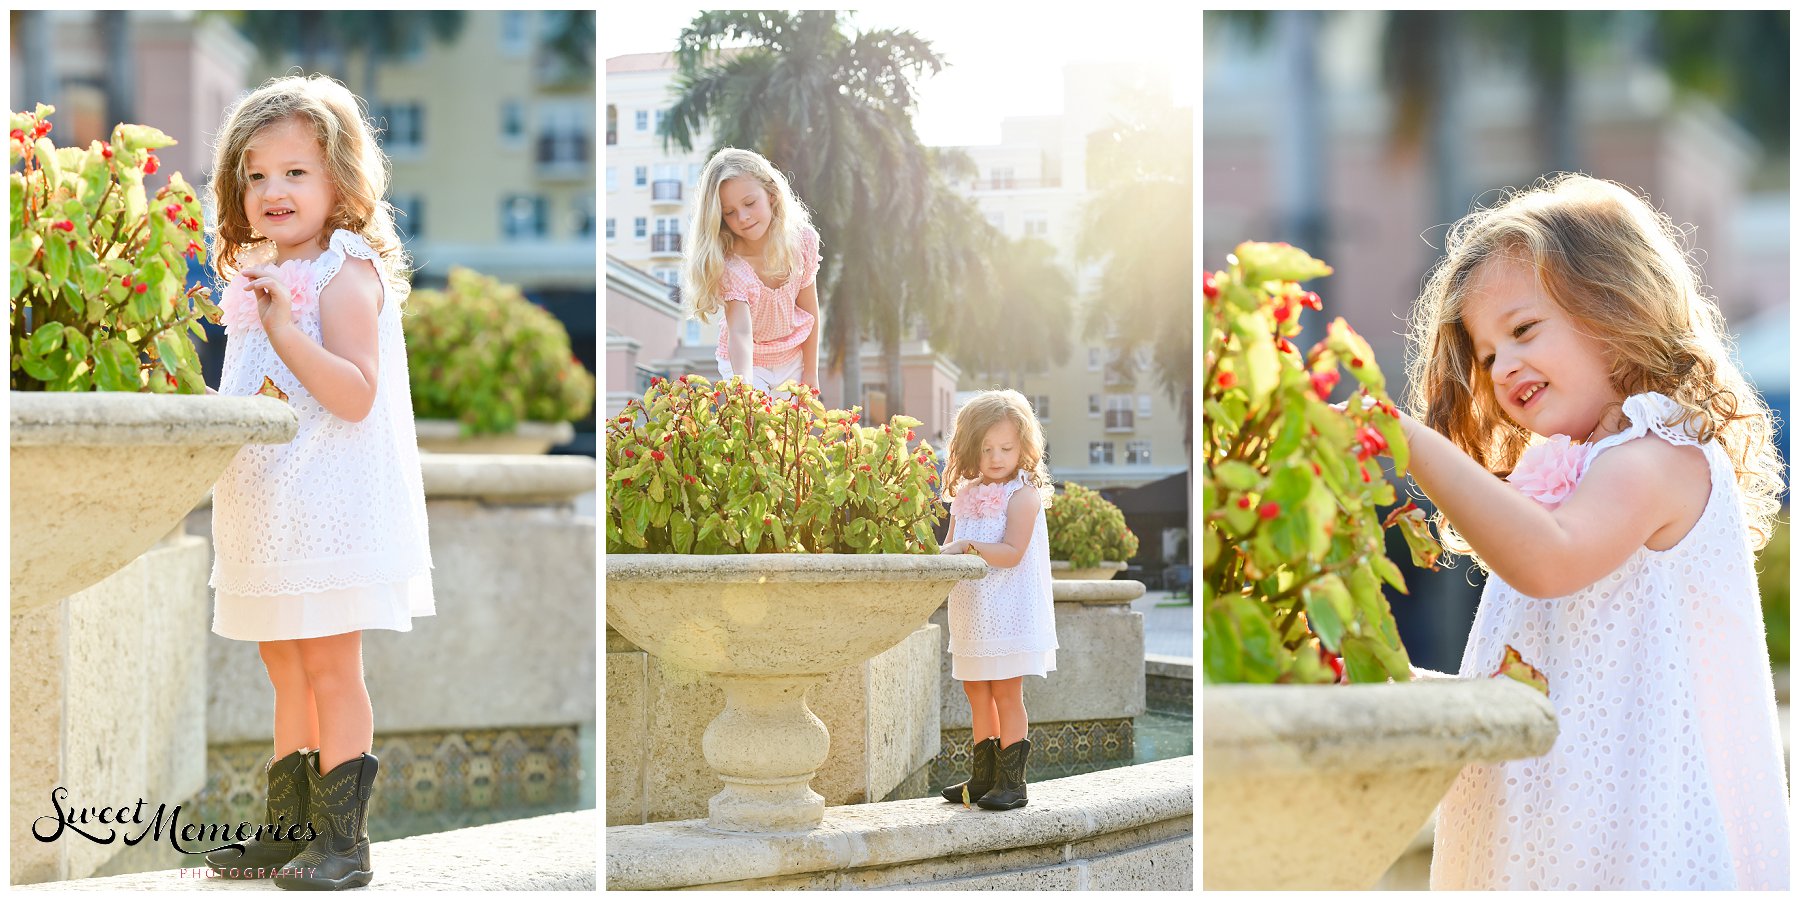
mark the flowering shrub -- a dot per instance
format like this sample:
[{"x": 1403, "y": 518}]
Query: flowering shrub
[
  {"x": 481, "y": 354},
  {"x": 98, "y": 271},
  {"x": 698, "y": 467},
  {"x": 1086, "y": 528},
  {"x": 1293, "y": 541}
]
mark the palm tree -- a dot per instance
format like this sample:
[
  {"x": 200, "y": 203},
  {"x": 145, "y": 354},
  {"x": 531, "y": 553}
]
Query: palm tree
[
  {"x": 833, "y": 110},
  {"x": 1140, "y": 226},
  {"x": 325, "y": 40}
]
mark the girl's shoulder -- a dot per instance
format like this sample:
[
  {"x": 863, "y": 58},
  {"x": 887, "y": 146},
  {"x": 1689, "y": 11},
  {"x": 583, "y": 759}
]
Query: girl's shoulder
[{"x": 346, "y": 245}]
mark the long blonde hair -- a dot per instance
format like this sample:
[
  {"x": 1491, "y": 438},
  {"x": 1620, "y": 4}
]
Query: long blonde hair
[
  {"x": 703, "y": 272},
  {"x": 1615, "y": 266},
  {"x": 353, "y": 161},
  {"x": 983, "y": 412}
]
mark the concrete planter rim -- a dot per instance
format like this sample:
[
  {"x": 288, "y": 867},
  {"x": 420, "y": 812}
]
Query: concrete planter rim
[
  {"x": 1430, "y": 722},
  {"x": 112, "y": 418},
  {"x": 790, "y": 567}
]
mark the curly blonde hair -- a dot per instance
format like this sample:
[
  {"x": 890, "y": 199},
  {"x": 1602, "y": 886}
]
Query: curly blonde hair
[
  {"x": 354, "y": 162},
  {"x": 1614, "y": 264},
  {"x": 703, "y": 273},
  {"x": 983, "y": 412}
]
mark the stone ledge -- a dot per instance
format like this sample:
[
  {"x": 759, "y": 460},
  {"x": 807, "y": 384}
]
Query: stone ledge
[
  {"x": 111, "y": 418},
  {"x": 1168, "y": 667},
  {"x": 1094, "y": 591},
  {"x": 547, "y": 853},
  {"x": 508, "y": 478},
  {"x": 1061, "y": 812},
  {"x": 803, "y": 568}
]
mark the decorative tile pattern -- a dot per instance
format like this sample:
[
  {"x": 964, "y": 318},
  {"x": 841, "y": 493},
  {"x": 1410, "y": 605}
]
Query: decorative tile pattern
[{"x": 428, "y": 782}]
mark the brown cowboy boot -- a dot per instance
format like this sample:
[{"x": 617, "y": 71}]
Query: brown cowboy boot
[
  {"x": 284, "y": 809},
  {"x": 339, "y": 857}
]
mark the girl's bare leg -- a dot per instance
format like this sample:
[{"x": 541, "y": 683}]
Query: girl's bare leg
[
  {"x": 1009, "y": 698},
  {"x": 334, "y": 669},
  {"x": 984, "y": 724},
  {"x": 296, "y": 718}
]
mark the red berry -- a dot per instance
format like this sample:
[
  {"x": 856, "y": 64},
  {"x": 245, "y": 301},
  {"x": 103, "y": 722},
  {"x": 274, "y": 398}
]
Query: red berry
[
  {"x": 43, "y": 128},
  {"x": 1323, "y": 382},
  {"x": 1311, "y": 299},
  {"x": 767, "y": 520},
  {"x": 909, "y": 434},
  {"x": 865, "y": 467},
  {"x": 629, "y": 453},
  {"x": 106, "y": 150},
  {"x": 1365, "y": 473},
  {"x": 173, "y": 211},
  {"x": 1287, "y": 347},
  {"x": 150, "y": 164},
  {"x": 691, "y": 480},
  {"x": 18, "y": 134},
  {"x": 658, "y": 456},
  {"x": 140, "y": 287},
  {"x": 1283, "y": 313},
  {"x": 1269, "y": 510},
  {"x": 1356, "y": 363},
  {"x": 63, "y": 225},
  {"x": 628, "y": 483},
  {"x": 1242, "y": 502},
  {"x": 1317, "y": 471},
  {"x": 1208, "y": 286},
  {"x": 1227, "y": 379},
  {"x": 667, "y": 438}
]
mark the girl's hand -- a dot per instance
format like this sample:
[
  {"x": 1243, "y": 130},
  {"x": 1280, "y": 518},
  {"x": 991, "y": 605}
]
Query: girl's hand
[
  {"x": 274, "y": 305},
  {"x": 955, "y": 547}
]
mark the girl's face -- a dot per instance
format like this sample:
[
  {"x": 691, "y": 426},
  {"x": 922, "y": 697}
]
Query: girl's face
[
  {"x": 1000, "y": 451},
  {"x": 287, "y": 193},
  {"x": 1546, "y": 374},
  {"x": 745, "y": 207}
]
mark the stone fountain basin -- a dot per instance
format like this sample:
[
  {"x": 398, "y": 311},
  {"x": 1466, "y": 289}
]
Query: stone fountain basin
[
  {"x": 99, "y": 477},
  {"x": 776, "y": 614}
]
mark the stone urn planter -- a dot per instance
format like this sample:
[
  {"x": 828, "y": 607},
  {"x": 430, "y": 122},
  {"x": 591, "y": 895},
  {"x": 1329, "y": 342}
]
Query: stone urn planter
[
  {"x": 1061, "y": 569},
  {"x": 766, "y": 627},
  {"x": 99, "y": 477},
  {"x": 444, "y": 436},
  {"x": 1323, "y": 786}
]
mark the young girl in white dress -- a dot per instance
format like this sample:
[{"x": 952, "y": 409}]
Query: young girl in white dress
[
  {"x": 1002, "y": 626},
  {"x": 1588, "y": 437},
  {"x": 323, "y": 537}
]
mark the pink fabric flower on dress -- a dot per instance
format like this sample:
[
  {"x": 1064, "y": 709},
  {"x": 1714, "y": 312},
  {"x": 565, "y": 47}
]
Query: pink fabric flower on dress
[
  {"x": 980, "y": 501},
  {"x": 239, "y": 306},
  {"x": 1548, "y": 471}
]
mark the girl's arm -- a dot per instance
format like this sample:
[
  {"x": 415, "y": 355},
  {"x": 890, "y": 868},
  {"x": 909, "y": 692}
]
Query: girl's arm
[
  {"x": 1630, "y": 493},
  {"x": 741, "y": 345},
  {"x": 951, "y": 545},
  {"x": 341, "y": 374},
  {"x": 1021, "y": 516},
  {"x": 808, "y": 300}
]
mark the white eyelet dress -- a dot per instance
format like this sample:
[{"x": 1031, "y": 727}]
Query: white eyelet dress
[
  {"x": 1003, "y": 625},
  {"x": 325, "y": 534},
  {"x": 1667, "y": 770}
]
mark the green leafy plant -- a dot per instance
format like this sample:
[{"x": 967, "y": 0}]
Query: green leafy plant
[
  {"x": 98, "y": 290},
  {"x": 1772, "y": 579},
  {"x": 699, "y": 467},
  {"x": 1086, "y": 528},
  {"x": 1293, "y": 540},
  {"x": 483, "y": 355}
]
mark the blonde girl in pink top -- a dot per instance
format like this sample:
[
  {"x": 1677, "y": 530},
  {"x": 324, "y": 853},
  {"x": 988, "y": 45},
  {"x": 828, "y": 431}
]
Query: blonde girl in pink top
[{"x": 755, "y": 255}]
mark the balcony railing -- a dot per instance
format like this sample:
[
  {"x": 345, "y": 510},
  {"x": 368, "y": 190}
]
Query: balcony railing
[
  {"x": 665, "y": 190},
  {"x": 1121, "y": 421},
  {"x": 665, "y": 242},
  {"x": 564, "y": 153},
  {"x": 1014, "y": 184}
]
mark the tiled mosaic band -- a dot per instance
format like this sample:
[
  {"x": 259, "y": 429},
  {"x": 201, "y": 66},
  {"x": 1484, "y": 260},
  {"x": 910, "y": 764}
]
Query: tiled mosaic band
[
  {"x": 1169, "y": 693},
  {"x": 429, "y": 781}
]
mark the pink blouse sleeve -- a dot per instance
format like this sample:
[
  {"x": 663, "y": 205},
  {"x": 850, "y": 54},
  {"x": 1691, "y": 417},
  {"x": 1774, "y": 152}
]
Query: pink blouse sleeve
[
  {"x": 733, "y": 286},
  {"x": 809, "y": 257}
]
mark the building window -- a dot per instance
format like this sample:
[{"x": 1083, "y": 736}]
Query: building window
[
  {"x": 1143, "y": 405},
  {"x": 515, "y": 36},
  {"x": 1040, "y": 403},
  {"x": 1037, "y": 225},
  {"x": 643, "y": 120},
  {"x": 1100, "y": 453},
  {"x": 1137, "y": 453},
  {"x": 522, "y": 216},
  {"x": 640, "y": 176},
  {"x": 1000, "y": 178},
  {"x": 693, "y": 331},
  {"x": 694, "y": 174},
  {"x": 612, "y": 179},
  {"x": 1118, "y": 412},
  {"x": 584, "y": 217},
  {"x": 1095, "y": 358},
  {"x": 409, "y": 215},
  {"x": 402, "y": 127},
  {"x": 562, "y": 136},
  {"x": 659, "y": 119},
  {"x": 1093, "y": 405},
  {"x": 612, "y": 226},
  {"x": 512, "y": 123},
  {"x": 668, "y": 225},
  {"x": 612, "y": 124},
  {"x": 640, "y": 227}
]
